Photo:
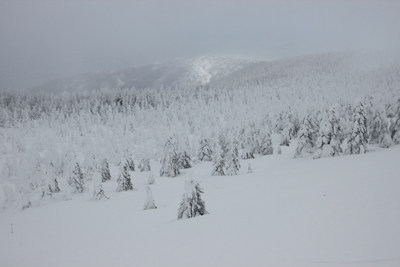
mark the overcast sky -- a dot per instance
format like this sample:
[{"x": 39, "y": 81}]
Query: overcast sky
[{"x": 42, "y": 40}]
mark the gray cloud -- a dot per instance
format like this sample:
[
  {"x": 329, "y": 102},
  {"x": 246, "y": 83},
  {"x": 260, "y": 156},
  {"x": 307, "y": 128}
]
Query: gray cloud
[{"x": 42, "y": 40}]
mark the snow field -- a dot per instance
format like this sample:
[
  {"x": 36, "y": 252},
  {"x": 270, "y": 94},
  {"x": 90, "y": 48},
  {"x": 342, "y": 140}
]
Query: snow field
[{"x": 289, "y": 212}]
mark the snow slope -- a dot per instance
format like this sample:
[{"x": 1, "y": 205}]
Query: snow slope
[{"x": 340, "y": 211}]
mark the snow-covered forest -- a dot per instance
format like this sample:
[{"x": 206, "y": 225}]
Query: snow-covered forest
[
  {"x": 94, "y": 145},
  {"x": 45, "y": 137}
]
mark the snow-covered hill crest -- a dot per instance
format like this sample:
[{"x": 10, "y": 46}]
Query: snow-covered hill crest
[{"x": 189, "y": 72}]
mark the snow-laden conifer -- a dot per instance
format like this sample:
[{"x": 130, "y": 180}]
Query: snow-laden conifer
[
  {"x": 170, "y": 161},
  {"x": 76, "y": 179},
  {"x": 306, "y": 145},
  {"x": 285, "y": 137},
  {"x": 152, "y": 178},
  {"x": 395, "y": 127},
  {"x": 265, "y": 142},
  {"x": 98, "y": 191},
  {"x": 131, "y": 164},
  {"x": 149, "y": 203},
  {"x": 249, "y": 169},
  {"x": 124, "y": 179},
  {"x": 144, "y": 165},
  {"x": 377, "y": 126},
  {"x": 192, "y": 205},
  {"x": 358, "y": 140},
  {"x": 330, "y": 136},
  {"x": 205, "y": 151},
  {"x": 232, "y": 159},
  {"x": 105, "y": 171},
  {"x": 184, "y": 160},
  {"x": 248, "y": 148},
  {"x": 218, "y": 162}
]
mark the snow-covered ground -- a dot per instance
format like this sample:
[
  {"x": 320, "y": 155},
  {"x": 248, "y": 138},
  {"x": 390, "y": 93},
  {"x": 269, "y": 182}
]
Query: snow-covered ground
[{"x": 340, "y": 211}]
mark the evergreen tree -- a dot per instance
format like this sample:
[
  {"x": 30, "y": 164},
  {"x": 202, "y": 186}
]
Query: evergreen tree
[
  {"x": 395, "y": 127},
  {"x": 219, "y": 162},
  {"x": 184, "y": 160},
  {"x": 131, "y": 164},
  {"x": 149, "y": 203},
  {"x": 379, "y": 129},
  {"x": 336, "y": 132},
  {"x": 359, "y": 137},
  {"x": 265, "y": 143},
  {"x": 377, "y": 126},
  {"x": 248, "y": 149},
  {"x": 330, "y": 135},
  {"x": 232, "y": 159},
  {"x": 192, "y": 205},
  {"x": 307, "y": 137},
  {"x": 105, "y": 171},
  {"x": 50, "y": 186},
  {"x": 285, "y": 137},
  {"x": 76, "y": 179},
  {"x": 152, "y": 179},
  {"x": 144, "y": 165},
  {"x": 124, "y": 180},
  {"x": 170, "y": 162},
  {"x": 98, "y": 192},
  {"x": 249, "y": 169},
  {"x": 205, "y": 151}
]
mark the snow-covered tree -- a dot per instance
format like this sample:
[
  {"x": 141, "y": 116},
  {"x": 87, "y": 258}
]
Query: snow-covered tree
[
  {"x": 376, "y": 126},
  {"x": 218, "y": 162},
  {"x": 330, "y": 136},
  {"x": 144, "y": 165},
  {"x": 152, "y": 178},
  {"x": 285, "y": 137},
  {"x": 98, "y": 191},
  {"x": 306, "y": 145},
  {"x": 378, "y": 130},
  {"x": 192, "y": 205},
  {"x": 205, "y": 152},
  {"x": 124, "y": 180},
  {"x": 131, "y": 164},
  {"x": 49, "y": 186},
  {"x": 76, "y": 179},
  {"x": 249, "y": 169},
  {"x": 105, "y": 171},
  {"x": 358, "y": 140},
  {"x": 265, "y": 143},
  {"x": 248, "y": 149},
  {"x": 170, "y": 161},
  {"x": 184, "y": 160},
  {"x": 395, "y": 127},
  {"x": 232, "y": 159},
  {"x": 149, "y": 203}
]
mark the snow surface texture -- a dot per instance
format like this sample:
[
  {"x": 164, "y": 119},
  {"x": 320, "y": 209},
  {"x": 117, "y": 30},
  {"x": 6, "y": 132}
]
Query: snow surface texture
[{"x": 338, "y": 211}]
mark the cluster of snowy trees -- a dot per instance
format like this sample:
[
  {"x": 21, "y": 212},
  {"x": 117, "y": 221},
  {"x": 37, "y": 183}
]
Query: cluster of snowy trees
[
  {"x": 347, "y": 130},
  {"x": 52, "y": 143}
]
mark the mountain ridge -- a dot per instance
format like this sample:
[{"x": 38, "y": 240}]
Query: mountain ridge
[
  {"x": 222, "y": 71},
  {"x": 177, "y": 72}
]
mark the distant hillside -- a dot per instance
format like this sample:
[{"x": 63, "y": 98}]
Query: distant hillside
[
  {"x": 334, "y": 72},
  {"x": 179, "y": 72}
]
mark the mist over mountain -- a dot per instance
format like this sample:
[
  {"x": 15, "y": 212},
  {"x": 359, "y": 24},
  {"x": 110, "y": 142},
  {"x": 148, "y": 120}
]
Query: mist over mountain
[
  {"x": 179, "y": 72},
  {"x": 334, "y": 71}
]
